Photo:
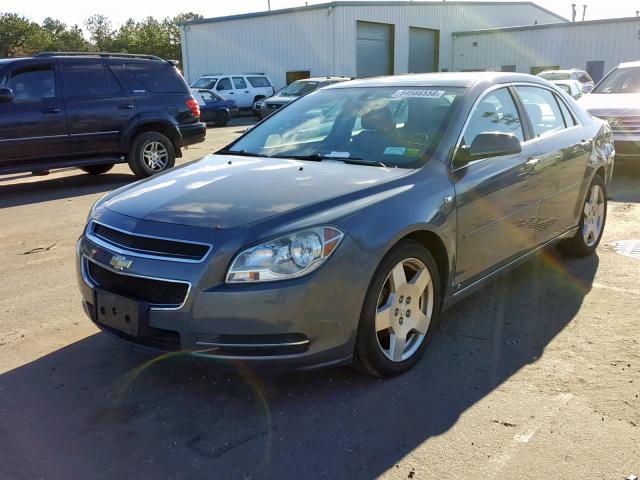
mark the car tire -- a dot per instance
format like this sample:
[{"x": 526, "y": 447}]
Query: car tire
[
  {"x": 141, "y": 158},
  {"x": 221, "y": 119},
  {"x": 389, "y": 302},
  {"x": 592, "y": 222},
  {"x": 97, "y": 169}
]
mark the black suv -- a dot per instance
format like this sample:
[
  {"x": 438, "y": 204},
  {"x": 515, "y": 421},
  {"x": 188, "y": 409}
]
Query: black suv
[{"x": 92, "y": 111}]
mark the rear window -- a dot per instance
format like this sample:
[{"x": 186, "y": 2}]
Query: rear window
[
  {"x": 163, "y": 78},
  {"x": 258, "y": 82},
  {"x": 206, "y": 83},
  {"x": 555, "y": 76}
]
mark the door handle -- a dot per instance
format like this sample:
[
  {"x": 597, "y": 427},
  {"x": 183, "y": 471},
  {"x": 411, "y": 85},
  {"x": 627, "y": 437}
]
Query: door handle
[
  {"x": 52, "y": 110},
  {"x": 531, "y": 164},
  {"x": 127, "y": 106}
]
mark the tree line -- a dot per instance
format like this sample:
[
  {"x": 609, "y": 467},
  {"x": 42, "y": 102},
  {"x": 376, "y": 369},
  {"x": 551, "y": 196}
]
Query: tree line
[{"x": 20, "y": 36}]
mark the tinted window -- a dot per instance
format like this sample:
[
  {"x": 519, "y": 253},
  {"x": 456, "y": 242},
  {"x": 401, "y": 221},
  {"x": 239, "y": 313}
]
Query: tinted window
[
  {"x": 89, "y": 80},
  {"x": 259, "y": 82},
  {"x": 33, "y": 83},
  {"x": 496, "y": 112},
  {"x": 568, "y": 117},
  {"x": 163, "y": 78},
  {"x": 239, "y": 82},
  {"x": 204, "y": 83},
  {"x": 224, "y": 84},
  {"x": 543, "y": 110}
]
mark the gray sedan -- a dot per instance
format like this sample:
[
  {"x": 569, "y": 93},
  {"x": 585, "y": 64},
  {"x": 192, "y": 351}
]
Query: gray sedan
[{"x": 339, "y": 230}]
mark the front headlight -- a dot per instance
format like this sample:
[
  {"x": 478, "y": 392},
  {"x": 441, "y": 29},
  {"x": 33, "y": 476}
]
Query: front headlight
[{"x": 286, "y": 257}]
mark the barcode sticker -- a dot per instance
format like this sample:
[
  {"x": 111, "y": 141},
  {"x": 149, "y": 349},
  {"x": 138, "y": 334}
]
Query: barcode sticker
[{"x": 419, "y": 93}]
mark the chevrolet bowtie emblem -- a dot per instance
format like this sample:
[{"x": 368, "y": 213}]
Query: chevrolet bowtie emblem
[{"x": 120, "y": 263}]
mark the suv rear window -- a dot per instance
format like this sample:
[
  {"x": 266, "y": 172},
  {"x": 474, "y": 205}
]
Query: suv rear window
[
  {"x": 258, "y": 82},
  {"x": 163, "y": 78}
]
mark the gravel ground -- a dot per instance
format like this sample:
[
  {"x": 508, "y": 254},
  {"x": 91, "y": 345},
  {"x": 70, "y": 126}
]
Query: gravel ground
[{"x": 536, "y": 376}]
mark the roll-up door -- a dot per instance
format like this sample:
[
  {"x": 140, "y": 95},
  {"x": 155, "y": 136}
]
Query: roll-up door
[
  {"x": 374, "y": 49},
  {"x": 423, "y": 50}
]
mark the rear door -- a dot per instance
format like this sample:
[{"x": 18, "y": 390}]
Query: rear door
[
  {"x": 564, "y": 151},
  {"x": 243, "y": 95},
  {"x": 497, "y": 198},
  {"x": 99, "y": 108},
  {"x": 33, "y": 125}
]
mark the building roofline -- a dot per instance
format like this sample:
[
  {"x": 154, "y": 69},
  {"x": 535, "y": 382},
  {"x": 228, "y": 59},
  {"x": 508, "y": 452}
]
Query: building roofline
[
  {"x": 319, "y": 6},
  {"x": 544, "y": 26}
]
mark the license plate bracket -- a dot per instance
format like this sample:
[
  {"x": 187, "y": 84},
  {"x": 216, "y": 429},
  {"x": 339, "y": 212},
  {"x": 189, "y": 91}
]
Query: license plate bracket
[{"x": 122, "y": 313}]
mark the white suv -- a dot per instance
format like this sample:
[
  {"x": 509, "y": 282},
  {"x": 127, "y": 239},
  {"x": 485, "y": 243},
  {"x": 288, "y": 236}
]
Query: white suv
[
  {"x": 244, "y": 88},
  {"x": 580, "y": 76}
]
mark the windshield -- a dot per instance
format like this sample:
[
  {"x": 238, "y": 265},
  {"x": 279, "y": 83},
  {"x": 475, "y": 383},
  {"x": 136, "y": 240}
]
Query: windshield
[
  {"x": 207, "y": 83},
  {"x": 297, "y": 89},
  {"x": 390, "y": 126},
  {"x": 555, "y": 76},
  {"x": 621, "y": 80}
]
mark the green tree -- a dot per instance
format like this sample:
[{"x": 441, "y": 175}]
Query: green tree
[
  {"x": 101, "y": 32},
  {"x": 19, "y": 36},
  {"x": 64, "y": 39}
]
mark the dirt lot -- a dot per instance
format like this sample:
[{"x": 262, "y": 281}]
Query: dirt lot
[{"x": 537, "y": 376}]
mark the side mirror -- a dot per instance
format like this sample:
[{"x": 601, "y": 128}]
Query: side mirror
[
  {"x": 6, "y": 95},
  {"x": 487, "y": 145}
]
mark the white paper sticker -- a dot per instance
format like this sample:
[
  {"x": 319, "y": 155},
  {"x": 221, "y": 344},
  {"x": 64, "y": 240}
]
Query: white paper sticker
[
  {"x": 339, "y": 155},
  {"x": 419, "y": 93},
  {"x": 394, "y": 150}
]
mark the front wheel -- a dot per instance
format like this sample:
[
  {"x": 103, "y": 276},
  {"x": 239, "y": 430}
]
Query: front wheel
[
  {"x": 400, "y": 311},
  {"x": 592, "y": 221},
  {"x": 151, "y": 153}
]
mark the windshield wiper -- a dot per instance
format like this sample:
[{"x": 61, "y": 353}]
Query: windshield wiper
[
  {"x": 316, "y": 157},
  {"x": 241, "y": 153}
]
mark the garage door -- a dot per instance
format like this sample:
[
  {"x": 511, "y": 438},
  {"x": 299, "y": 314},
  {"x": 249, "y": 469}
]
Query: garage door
[
  {"x": 374, "y": 49},
  {"x": 423, "y": 50}
]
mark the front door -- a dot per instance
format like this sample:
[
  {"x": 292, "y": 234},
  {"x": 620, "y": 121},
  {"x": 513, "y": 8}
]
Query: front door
[
  {"x": 33, "y": 126},
  {"x": 497, "y": 198},
  {"x": 99, "y": 108}
]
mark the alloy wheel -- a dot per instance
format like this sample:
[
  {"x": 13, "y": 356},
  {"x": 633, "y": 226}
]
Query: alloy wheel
[
  {"x": 405, "y": 308},
  {"x": 593, "y": 216},
  {"x": 155, "y": 156}
]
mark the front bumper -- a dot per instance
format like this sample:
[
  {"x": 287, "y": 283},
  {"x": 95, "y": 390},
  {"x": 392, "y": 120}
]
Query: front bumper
[
  {"x": 192, "y": 133},
  {"x": 303, "y": 323}
]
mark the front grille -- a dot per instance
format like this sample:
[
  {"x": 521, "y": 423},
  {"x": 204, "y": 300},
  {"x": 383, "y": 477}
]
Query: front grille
[
  {"x": 151, "y": 245},
  {"x": 156, "y": 292}
]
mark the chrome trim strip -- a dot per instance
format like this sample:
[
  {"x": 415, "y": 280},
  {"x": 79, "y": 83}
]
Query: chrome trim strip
[
  {"x": 135, "y": 253},
  {"x": 44, "y": 137},
  {"x": 93, "y": 133},
  {"x": 254, "y": 345},
  {"x": 166, "y": 280}
]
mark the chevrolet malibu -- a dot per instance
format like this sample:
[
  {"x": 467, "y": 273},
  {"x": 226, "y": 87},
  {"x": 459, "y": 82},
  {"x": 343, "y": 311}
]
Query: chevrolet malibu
[{"x": 340, "y": 228}]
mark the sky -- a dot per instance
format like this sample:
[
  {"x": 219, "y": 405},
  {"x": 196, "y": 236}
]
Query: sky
[{"x": 75, "y": 11}]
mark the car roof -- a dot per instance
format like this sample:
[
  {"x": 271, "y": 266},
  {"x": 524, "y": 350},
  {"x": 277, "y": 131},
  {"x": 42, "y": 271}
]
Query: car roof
[
  {"x": 629, "y": 64},
  {"x": 324, "y": 79},
  {"x": 452, "y": 79}
]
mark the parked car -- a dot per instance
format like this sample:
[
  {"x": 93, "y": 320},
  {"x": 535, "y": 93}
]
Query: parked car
[
  {"x": 616, "y": 99},
  {"x": 585, "y": 80},
  {"x": 213, "y": 108},
  {"x": 265, "y": 107},
  {"x": 305, "y": 246},
  {"x": 571, "y": 87},
  {"x": 245, "y": 89},
  {"x": 94, "y": 110}
]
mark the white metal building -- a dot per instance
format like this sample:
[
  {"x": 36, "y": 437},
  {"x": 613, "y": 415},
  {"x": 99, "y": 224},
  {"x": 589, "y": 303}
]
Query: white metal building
[
  {"x": 595, "y": 46},
  {"x": 360, "y": 38}
]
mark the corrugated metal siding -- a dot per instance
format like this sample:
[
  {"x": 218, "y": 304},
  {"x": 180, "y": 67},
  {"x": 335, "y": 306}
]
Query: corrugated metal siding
[
  {"x": 567, "y": 46},
  {"x": 324, "y": 40}
]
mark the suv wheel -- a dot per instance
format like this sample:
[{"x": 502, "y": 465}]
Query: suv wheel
[
  {"x": 97, "y": 169},
  {"x": 221, "y": 119},
  {"x": 151, "y": 153},
  {"x": 400, "y": 311}
]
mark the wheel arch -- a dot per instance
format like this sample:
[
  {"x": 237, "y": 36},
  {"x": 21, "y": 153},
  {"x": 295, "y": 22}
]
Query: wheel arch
[{"x": 164, "y": 128}]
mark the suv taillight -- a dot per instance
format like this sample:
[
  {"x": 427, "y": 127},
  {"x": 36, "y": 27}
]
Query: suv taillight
[{"x": 193, "y": 106}]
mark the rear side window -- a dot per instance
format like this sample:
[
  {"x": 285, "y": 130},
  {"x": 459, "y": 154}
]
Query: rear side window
[
  {"x": 163, "y": 78},
  {"x": 32, "y": 83},
  {"x": 239, "y": 82},
  {"x": 88, "y": 80},
  {"x": 568, "y": 117},
  {"x": 543, "y": 110},
  {"x": 224, "y": 84},
  {"x": 584, "y": 77},
  {"x": 495, "y": 113},
  {"x": 259, "y": 82}
]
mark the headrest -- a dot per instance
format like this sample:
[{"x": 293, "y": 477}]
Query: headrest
[
  {"x": 379, "y": 119},
  {"x": 535, "y": 112}
]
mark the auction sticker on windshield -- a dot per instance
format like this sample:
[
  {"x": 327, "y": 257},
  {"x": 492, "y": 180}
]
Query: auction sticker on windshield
[{"x": 419, "y": 93}]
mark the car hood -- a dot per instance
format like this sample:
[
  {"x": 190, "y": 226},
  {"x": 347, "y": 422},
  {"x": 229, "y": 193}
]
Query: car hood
[
  {"x": 226, "y": 191},
  {"x": 280, "y": 99},
  {"x": 610, "y": 103}
]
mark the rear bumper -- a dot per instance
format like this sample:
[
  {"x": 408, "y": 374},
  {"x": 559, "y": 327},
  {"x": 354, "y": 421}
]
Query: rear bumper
[{"x": 192, "y": 133}]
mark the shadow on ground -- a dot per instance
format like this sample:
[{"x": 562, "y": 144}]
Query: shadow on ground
[{"x": 97, "y": 409}]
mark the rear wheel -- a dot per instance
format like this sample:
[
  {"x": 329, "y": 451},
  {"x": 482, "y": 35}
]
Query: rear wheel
[
  {"x": 591, "y": 227},
  {"x": 97, "y": 169},
  {"x": 151, "y": 153},
  {"x": 221, "y": 119},
  {"x": 400, "y": 311}
]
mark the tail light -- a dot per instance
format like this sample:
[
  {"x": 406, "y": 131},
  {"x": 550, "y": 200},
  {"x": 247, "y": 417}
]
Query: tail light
[{"x": 193, "y": 106}]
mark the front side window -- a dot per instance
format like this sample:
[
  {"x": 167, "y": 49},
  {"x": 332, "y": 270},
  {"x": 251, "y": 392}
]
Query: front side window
[
  {"x": 89, "y": 80},
  {"x": 224, "y": 84},
  {"x": 496, "y": 112},
  {"x": 542, "y": 109},
  {"x": 393, "y": 126},
  {"x": 32, "y": 83},
  {"x": 239, "y": 83},
  {"x": 621, "y": 80}
]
